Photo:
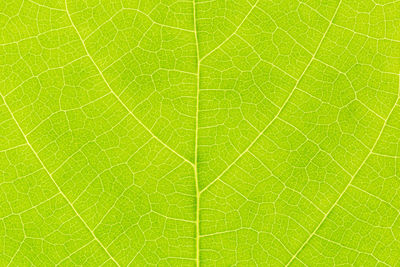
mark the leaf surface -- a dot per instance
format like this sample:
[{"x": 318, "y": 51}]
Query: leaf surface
[{"x": 188, "y": 133}]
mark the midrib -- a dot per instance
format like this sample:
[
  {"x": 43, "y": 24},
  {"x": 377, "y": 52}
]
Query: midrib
[{"x": 196, "y": 139}]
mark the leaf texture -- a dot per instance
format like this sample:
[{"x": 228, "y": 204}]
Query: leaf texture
[{"x": 199, "y": 133}]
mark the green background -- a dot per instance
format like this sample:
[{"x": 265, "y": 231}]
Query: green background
[{"x": 207, "y": 132}]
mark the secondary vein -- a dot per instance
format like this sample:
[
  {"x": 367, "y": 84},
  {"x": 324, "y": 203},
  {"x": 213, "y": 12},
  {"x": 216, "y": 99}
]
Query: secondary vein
[
  {"x": 117, "y": 97},
  {"x": 55, "y": 183}
]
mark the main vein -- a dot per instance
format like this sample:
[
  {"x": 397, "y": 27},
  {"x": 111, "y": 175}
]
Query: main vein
[{"x": 196, "y": 176}]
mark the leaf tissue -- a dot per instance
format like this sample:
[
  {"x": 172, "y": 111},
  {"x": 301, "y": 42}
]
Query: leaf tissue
[{"x": 199, "y": 133}]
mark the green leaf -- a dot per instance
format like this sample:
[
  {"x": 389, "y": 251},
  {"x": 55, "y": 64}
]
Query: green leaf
[{"x": 205, "y": 132}]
